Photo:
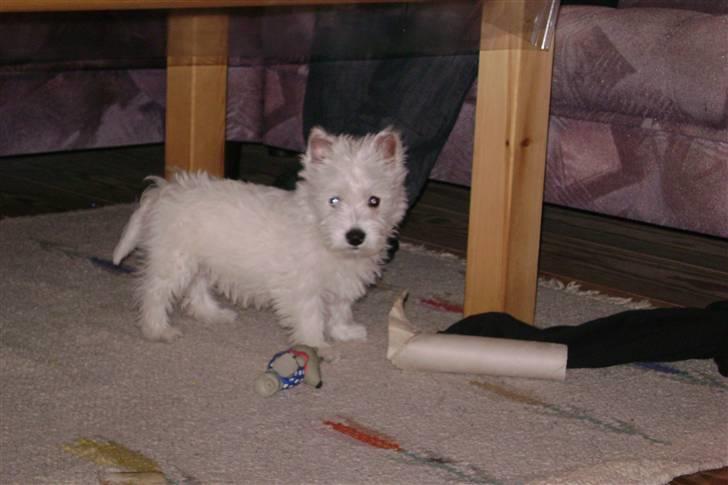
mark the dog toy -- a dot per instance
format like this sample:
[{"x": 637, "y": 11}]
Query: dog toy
[{"x": 289, "y": 368}]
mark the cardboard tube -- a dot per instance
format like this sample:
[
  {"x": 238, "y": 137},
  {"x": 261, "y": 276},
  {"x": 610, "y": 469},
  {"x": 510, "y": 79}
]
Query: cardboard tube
[{"x": 409, "y": 349}]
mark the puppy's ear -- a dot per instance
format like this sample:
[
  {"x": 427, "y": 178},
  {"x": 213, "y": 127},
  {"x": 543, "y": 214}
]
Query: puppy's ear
[
  {"x": 389, "y": 144},
  {"x": 319, "y": 145}
]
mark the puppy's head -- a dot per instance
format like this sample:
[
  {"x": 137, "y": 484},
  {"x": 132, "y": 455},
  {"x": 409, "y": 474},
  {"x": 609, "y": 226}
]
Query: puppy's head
[{"x": 354, "y": 189}]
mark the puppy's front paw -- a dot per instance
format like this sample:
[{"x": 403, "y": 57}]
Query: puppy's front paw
[
  {"x": 347, "y": 332},
  {"x": 328, "y": 353},
  {"x": 228, "y": 316},
  {"x": 161, "y": 334},
  {"x": 221, "y": 315}
]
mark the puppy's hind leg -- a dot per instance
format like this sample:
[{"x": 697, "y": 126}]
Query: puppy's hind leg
[
  {"x": 165, "y": 278},
  {"x": 202, "y": 305}
]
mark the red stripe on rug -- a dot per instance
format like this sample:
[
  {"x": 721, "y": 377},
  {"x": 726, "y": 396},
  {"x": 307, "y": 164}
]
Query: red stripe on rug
[
  {"x": 364, "y": 436},
  {"x": 442, "y": 305}
]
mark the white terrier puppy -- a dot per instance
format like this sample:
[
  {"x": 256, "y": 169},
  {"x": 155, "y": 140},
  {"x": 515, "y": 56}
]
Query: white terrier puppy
[{"x": 309, "y": 253}]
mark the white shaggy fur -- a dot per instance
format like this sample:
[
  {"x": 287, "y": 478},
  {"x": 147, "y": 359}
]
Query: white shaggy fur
[{"x": 300, "y": 252}]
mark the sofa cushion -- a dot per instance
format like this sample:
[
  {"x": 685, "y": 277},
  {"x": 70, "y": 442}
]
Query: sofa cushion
[
  {"x": 708, "y": 6},
  {"x": 647, "y": 67},
  {"x": 640, "y": 174}
]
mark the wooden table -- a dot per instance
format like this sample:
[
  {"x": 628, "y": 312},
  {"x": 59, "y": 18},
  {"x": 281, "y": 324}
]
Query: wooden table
[{"x": 511, "y": 120}]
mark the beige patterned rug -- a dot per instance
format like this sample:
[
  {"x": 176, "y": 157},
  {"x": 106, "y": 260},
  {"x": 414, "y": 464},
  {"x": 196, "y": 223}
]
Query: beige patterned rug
[{"x": 84, "y": 398}]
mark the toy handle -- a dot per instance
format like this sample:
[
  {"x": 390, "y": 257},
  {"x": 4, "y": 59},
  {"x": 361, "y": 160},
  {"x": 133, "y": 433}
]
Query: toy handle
[{"x": 267, "y": 384}]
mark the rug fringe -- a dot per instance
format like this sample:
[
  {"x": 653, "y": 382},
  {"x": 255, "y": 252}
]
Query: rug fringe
[
  {"x": 420, "y": 249},
  {"x": 574, "y": 288}
]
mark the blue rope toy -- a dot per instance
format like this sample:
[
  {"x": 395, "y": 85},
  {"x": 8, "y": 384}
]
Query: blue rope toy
[
  {"x": 288, "y": 369},
  {"x": 294, "y": 379}
]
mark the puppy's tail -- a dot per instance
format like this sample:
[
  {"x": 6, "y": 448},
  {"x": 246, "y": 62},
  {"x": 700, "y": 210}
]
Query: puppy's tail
[{"x": 132, "y": 232}]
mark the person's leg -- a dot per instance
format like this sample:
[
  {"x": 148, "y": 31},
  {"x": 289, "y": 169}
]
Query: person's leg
[{"x": 418, "y": 95}]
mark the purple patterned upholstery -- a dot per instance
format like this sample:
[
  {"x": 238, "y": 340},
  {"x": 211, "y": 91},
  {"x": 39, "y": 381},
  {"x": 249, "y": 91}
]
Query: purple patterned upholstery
[
  {"x": 639, "y": 111},
  {"x": 639, "y": 116},
  {"x": 708, "y": 6},
  {"x": 76, "y": 81}
]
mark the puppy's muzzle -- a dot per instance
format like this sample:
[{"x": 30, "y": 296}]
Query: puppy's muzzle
[{"x": 355, "y": 237}]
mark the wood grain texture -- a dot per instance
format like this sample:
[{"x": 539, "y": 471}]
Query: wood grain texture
[
  {"x": 88, "y": 5},
  {"x": 509, "y": 157},
  {"x": 196, "y": 92},
  {"x": 667, "y": 267}
]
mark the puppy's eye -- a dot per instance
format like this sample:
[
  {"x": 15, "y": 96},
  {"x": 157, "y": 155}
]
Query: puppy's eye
[
  {"x": 334, "y": 201},
  {"x": 373, "y": 201}
]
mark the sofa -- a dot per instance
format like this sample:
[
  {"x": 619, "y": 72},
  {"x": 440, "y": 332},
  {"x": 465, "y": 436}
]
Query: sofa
[{"x": 638, "y": 125}]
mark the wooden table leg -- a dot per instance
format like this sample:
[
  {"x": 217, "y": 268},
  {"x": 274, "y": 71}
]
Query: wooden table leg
[
  {"x": 197, "y": 52},
  {"x": 509, "y": 156}
]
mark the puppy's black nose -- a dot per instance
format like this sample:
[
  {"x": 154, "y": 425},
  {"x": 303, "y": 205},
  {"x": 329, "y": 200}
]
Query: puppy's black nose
[{"x": 355, "y": 237}]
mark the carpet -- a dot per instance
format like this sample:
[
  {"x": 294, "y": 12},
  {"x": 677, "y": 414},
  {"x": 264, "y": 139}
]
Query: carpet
[{"x": 84, "y": 397}]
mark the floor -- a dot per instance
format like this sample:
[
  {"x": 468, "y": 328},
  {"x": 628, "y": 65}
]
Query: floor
[{"x": 617, "y": 257}]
